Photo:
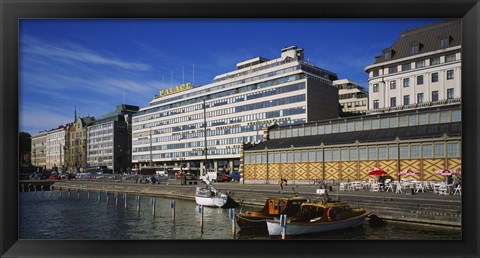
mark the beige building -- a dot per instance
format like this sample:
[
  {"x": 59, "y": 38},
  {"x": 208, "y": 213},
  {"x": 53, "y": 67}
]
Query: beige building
[
  {"x": 55, "y": 144},
  {"x": 352, "y": 97},
  {"x": 38, "y": 150},
  {"x": 421, "y": 67},
  {"x": 76, "y": 139}
]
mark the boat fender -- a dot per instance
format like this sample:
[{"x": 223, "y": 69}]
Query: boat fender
[{"x": 329, "y": 213}]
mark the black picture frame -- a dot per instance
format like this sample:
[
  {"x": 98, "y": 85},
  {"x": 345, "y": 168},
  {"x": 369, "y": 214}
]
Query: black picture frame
[{"x": 11, "y": 11}]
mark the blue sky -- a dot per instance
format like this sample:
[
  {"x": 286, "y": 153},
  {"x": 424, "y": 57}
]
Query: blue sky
[{"x": 96, "y": 64}]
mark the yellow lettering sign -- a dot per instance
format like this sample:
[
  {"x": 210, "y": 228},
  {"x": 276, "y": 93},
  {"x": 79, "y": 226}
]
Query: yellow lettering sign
[{"x": 176, "y": 89}]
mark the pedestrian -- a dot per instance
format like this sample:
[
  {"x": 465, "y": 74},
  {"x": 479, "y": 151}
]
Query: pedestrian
[{"x": 281, "y": 184}]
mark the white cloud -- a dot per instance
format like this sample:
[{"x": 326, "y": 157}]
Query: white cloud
[{"x": 70, "y": 51}]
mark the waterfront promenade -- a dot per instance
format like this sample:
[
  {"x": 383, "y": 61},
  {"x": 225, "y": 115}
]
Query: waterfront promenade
[{"x": 426, "y": 208}]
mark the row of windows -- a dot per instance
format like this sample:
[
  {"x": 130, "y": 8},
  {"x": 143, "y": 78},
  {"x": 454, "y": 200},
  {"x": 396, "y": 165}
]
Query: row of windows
[
  {"x": 418, "y": 64},
  {"x": 200, "y": 99},
  {"x": 248, "y": 107},
  {"x": 191, "y": 117},
  {"x": 382, "y": 152},
  {"x": 406, "y": 81},
  {"x": 187, "y": 154},
  {"x": 446, "y": 116},
  {"x": 420, "y": 98}
]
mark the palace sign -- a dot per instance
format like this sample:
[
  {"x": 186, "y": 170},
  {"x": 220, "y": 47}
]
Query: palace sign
[{"x": 179, "y": 88}]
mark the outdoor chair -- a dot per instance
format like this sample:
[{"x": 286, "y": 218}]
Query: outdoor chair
[
  {"x": 419, "y": 187},
  {"x": 398, "y": 187},
  {"x": 443, "y": 189},
  {"x": 389, "y": 187},
  {"x": 341, "y": 187},
  {"x": 458, "y": 190},
  {"x": 375, "y": 187}
]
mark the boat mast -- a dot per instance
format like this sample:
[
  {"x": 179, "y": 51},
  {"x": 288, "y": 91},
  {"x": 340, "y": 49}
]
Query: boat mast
[{"x": 205, "y": 131}]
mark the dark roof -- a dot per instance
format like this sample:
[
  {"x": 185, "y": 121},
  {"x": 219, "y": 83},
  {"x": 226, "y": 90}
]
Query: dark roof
[
  {"x": 379, "y": 135},
  {"x": 428, "y": 37}
]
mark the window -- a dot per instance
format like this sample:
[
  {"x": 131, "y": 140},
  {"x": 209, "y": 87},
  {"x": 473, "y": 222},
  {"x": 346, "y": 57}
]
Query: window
[
  {"x": 375, "y": 104},
  {"x": 434, "y": 77},
  {"x": 445, "y": 42},
  {"x": 452, "y": 150},
  {"x": 406, "y": 82},
  {"x": 406, "y": 100},
  {"x": 420, "y": 80},
  {"x": 439, "y": 150},
  {"x": 375, "y": 87},
  {"x": 450, "y": 58},
  {"x": 449, "y": 93},
  {"x": 449, "y": 74},
  {"x": 375, "y": 73},
  {"x": 415, "y": 151},
  {"x": 344, "y": 153},
  {"x": 435, "y": 60},
  {"x": 406, "y": 67},
  {"x": 387, "y": 55},
  {"x": 393, "y": 85},
  {"x": 392, "y": 152},
  {"x": 393, "y": 102},
  {"x": 435, "y": 95},
  {"x": 420, "y": 98},
  {"x": 382, "y": 153},
  {"x": 415, "y": 49},
  {"x": 362, "y": 153},
  {"x": 404, "y": 152},
  {"x": 372, "y": 153},
  {"x": 392, "y": 69},
  {"x": 427, "y": 151},
  {"x": 353, "y": 154},
  {"x": 420, "y": 64}
]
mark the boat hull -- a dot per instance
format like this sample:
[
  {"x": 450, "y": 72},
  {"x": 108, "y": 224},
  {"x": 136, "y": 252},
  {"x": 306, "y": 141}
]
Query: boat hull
[
  {"x": 250, "y": 222},
  {"x": 210, "y": 201},
  {"x": 302, "y": 228}
]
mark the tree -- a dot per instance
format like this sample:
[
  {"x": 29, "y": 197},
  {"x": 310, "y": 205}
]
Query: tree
[{"x": 24, "y": 148}]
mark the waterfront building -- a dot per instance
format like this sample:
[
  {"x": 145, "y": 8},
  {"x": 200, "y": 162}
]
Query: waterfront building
[
  {"x": 352, "y": 97},
  {"x": 55, "y": 148},
  {"x": 421, "y": 139},
  {"x": 238, "y": 105},
  {"x": 422, "y": 66},
  {"x": 39, "y": 149},
  {"x": 109, "y": 139},
  {"x": 76, "y": 140}
]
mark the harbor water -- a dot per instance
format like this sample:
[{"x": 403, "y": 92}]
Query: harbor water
[{"x": 80, "y": 215}]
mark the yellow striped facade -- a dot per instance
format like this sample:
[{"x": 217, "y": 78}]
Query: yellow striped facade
[{"x": 350, "y": 170}]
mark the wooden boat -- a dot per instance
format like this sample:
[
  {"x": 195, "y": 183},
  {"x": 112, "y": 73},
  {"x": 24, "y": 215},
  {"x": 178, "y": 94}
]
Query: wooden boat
[
  {"x": 317, "y": 217},
  {"x": 274, "y": 207}
]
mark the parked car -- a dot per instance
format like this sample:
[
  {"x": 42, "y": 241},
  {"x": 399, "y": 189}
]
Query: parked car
[
  {"x": 190, "y": 176},
  {"x": 53, "y": 177},
  {"x": 235, "y": 176}
]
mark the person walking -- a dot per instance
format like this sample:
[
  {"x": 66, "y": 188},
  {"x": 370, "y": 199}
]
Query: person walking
[{"x": 281, "y": 184}]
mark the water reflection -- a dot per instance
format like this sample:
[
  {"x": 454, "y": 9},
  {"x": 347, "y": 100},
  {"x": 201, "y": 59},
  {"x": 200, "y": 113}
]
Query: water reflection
[{"x": 46, "y": 216}]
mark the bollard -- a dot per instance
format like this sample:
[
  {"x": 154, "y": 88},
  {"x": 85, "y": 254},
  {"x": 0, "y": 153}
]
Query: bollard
[
  {"x": 29, "y": 187},
  {"x": 138, "y": 204},
  {"x": 172, "y": 206},
  {"x": 154, "y": 200},
  {"x": 200, "y": 210},
  {"x": 283, "y": 223},
  {"x": 231, "y": 213},
  {"x": 116, "y": 200},
  {"x": 125, "y": 199},
  {"x": 42, "y": 190},
  {"x": 108, "y": 200}
]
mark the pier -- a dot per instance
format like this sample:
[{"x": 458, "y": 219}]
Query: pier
[{"x": 426, "y": 208}]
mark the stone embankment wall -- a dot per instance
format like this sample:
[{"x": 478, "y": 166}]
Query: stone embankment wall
[{"x": 429, "y": 213}]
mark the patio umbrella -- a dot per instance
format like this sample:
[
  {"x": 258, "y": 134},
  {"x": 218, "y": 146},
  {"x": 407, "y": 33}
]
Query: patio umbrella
[
  {"x": 407, "y": 172},
  {"x": 445, "y": 172},
  {"x": 376, "y": 172}
]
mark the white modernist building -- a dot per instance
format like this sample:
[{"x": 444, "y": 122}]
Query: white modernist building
[
  {"x": 55, "y": 148},
  {"x": 353, "y": 98},
  {"x": 421, "y": 67},
  {"x": 238, "y": 105},
  {"x": 38, "y": 148}
]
